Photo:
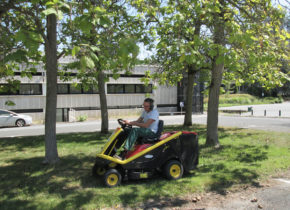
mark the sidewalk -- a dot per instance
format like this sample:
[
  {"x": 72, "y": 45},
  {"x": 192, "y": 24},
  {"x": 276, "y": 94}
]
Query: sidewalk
[{"x": 261, "y": 110}]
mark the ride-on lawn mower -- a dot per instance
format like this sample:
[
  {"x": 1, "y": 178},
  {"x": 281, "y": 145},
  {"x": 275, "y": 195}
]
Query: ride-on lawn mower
[{"x": 171, "y": 153}]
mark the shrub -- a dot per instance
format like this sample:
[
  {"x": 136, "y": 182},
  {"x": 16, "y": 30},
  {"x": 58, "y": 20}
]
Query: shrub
[
  {"x": 82, "y": 118},
  {"x": 245, "y": 99}
]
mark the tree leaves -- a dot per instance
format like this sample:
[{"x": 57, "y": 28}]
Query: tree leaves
[
  {"x": 87, "y": 62},
  {"x": 75, "y": 50},
  {"x": 85, "y": 24},
  {"x": 18, "y": 56},
  {"x": 253, "y": 38},
  {"x": 49, "y": 11},
  {"x": 95, "y": 48},
  {"x": 55, "y": 7}
]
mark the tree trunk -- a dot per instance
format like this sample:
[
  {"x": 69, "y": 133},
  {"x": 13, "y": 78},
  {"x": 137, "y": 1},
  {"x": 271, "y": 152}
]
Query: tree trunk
[
  {"x": 51, "y": 154},
  {"x": 189, "y": 94},
  {"x": 214, "y": 90},
  {"x": 103, "y": 103},
  {"x": 189, "y": 91}
]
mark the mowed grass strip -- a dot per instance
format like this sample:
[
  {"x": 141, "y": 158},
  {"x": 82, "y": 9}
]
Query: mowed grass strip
[
  {"x": 226, "y": 100},
  {"x": 246, "y": 157}
]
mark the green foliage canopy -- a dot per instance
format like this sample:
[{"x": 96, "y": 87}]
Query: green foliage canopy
[
  {"x": 252, "y": 52},
  {"x": 104, "y": 37}
]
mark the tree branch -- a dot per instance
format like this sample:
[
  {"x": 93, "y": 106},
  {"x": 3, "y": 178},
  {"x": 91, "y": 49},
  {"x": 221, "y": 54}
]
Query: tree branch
[
  {"x": 61, "y": 54},
  {"x": 240, "y": 8},
  {"x": 4, "y": 7}
]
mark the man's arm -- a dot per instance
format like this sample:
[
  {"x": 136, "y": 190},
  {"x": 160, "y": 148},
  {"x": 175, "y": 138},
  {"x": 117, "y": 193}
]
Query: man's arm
[
  {"x": 139, "y": 120},
  {"x": 141, "y": 124}
]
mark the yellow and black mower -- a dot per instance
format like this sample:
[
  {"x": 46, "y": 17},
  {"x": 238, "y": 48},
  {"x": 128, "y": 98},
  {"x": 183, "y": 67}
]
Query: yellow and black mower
[{"x": 171, "y": 153}]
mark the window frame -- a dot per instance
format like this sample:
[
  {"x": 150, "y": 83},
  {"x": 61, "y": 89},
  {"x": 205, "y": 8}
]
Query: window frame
[
  {"x": 112, "y": 88},
  {"x": 30, "y": 86},
  {"x": 92, "y": 89}
]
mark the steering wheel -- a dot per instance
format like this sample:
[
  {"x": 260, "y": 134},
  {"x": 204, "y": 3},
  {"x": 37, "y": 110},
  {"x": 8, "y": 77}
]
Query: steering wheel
[{"x": 123, "y": 125}]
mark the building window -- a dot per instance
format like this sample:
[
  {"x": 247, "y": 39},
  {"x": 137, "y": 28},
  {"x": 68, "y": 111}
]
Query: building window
[
  {"x": 24, "y": 89},
  {"x": 75, "y": 89},
  {"x": 8, "y": 89},
  {"x": 79, "y": 89},
  {"x": 128, "y": 88},
  {"x": 115, "y": 88},
  {"x": 140, "y": 89},
  {"x": 110, "y": 88},
  {"x": 144, "y": 88},
  {"x": 119, "y": 88},
  {"x": 62, "y": 89},
  {"x": 91, "y": 90},
  {"x": 30, "y": 89},
  {"x": 148, "y": 89}
]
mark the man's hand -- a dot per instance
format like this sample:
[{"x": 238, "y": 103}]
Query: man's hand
[
  {"x": 142, "y": 124},
  {"x": 139, "y": 122},
  {"x": 127, "y": 122}
]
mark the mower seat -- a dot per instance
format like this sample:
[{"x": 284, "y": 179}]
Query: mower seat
[{"x": 156, "y": 138}]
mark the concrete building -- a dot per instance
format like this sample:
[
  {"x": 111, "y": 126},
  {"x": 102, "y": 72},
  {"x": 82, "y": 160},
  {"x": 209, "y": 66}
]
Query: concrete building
[{"x": 124, "y": 96}]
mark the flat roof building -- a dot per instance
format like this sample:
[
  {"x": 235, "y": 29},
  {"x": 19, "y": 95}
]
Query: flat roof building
[{"x": 124, "y": 95}]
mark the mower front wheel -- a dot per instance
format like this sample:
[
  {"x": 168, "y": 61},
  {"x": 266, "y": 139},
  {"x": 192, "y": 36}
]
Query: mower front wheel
[
  {"x": 173, "y": 170},
  {"x": 112, "y": 178}
]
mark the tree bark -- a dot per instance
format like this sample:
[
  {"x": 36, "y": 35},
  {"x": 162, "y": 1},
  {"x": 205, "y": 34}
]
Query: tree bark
[
  {"x": 103, "y": 103},
  {"x": 214, "y": 90},
  {"x": 189, "y": 93},
  {"x": 51, "y": 154}
]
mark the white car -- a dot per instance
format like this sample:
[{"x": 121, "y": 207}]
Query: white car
[{"x": 8, "y": 118}]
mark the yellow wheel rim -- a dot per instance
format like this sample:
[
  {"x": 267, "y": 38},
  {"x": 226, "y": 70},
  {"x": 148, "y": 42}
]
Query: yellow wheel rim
[
  {"x": 101, "y": 171},
  {"x": 175, "y": 171},
  {"x": 112, "y": 179}
]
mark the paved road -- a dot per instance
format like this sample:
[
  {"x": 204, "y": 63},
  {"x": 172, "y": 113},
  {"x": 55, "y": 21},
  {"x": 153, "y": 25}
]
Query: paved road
[{"x": 260, "y": 123}]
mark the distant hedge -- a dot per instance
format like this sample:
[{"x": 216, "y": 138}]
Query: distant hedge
[{"x": 244, "y": 99}]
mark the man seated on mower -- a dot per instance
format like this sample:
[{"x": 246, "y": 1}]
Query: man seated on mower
[{"x": 147, "y": 123}]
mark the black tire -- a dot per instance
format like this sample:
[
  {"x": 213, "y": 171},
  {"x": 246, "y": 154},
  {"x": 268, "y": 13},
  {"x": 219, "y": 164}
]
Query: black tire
[
  {"x": 20, "y": 123},
  {"x": 112, "y": 178},
  {"x": 173, "y": 170},
  {"x": 98, "y": 171}
]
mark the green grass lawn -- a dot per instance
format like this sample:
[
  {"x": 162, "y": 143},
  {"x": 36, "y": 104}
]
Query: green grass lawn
[
  {"x": 226, "y": 100},
  {"x": 246, "y": 157}
]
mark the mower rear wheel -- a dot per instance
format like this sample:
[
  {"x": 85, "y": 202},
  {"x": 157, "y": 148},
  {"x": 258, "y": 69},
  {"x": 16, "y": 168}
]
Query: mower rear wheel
[
  {"x": 98, "y": 171},
  {"x": 112, "y": 178},
  {"x": 173, "y": 170}
]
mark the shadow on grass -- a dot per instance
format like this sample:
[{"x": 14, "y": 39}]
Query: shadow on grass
[
  {"x": 23, "y": 181},
  {"x": 68, "y": 184},
  {"x": 222, "y": 181},
  {"x": 161, "y": 203},
  {"x": 251, "y": 154},
  {"x": 151, "y": 197},
  {"x": 237, "y": 169},
  {"x": 29, "y": 178}
]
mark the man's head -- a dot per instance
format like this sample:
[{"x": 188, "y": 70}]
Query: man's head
[{"x": 148, "y": 104}]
